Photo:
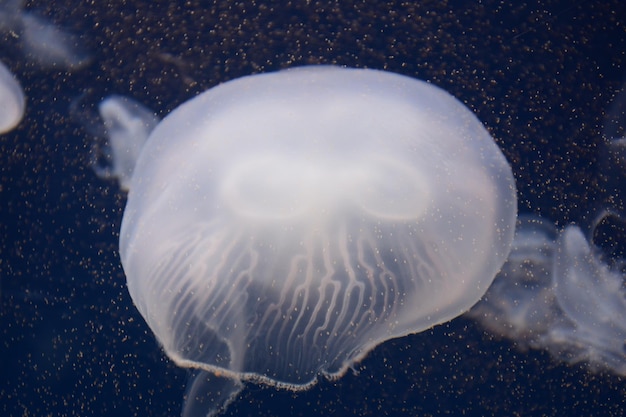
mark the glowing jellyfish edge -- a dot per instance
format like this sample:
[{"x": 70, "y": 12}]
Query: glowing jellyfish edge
[{"x": 12, "y": 100}]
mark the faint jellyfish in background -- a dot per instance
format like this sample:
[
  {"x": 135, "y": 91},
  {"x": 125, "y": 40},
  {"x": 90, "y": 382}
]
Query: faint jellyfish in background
[
  {"x": 119, "y": 128},
  {"x": 280, "y": 226},
  {"x": 12, "y": 101},
  {"x": 40, "y": 40},
  {"x": 592, "y": 295},
  {"x": 555, "y": 292},
  {"x": 127, "y": 125},
  {"x": 51, "y": 46}
]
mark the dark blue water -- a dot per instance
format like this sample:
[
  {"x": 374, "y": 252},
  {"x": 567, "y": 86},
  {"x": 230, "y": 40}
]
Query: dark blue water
[{"x": 540, "y": 75}]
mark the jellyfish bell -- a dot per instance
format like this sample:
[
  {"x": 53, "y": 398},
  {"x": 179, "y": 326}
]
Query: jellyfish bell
[
  {"x": 12, "y": 101},
  {"x": 280, "y": 226}
]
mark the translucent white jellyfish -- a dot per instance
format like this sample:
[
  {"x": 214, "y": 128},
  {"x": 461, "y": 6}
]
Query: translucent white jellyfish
[
  {"x": 280, "y": 226},
  {"x": 559, "y": 295},
  {"x": 593, "y": 298},
  {"x": 12, "y": 100},
  {"x": 40, "y": 40},
  {"x": 127, "y": 126},
  {"x": 50, "y": 45}
]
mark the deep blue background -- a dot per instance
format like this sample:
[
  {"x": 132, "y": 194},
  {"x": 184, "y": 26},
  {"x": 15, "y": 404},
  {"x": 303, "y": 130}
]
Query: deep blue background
[{"x": 540, "y": 75}]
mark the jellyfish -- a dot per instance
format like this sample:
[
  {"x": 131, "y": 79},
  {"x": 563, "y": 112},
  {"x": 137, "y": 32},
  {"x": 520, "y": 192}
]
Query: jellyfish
[
  {"x": 51, "y": 46},
  {"x": 593, "y": 297},
  {"x": 280, "y": 226},
  {"x": 127, "y": 125},
  {"x": 557, "y": 292},
  {"x": 11, "y": 99},
  {"x": 118, "y": 128},
  {"x": 40, "y": 40}
]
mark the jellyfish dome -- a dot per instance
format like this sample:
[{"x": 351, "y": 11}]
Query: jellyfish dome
[
  {"x": 282, "y": 225},
  {"x": 12, "y": 100}
]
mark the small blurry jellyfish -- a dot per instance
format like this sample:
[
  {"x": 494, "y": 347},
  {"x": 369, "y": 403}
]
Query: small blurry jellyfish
[
  {"x": 127, "y": 125},
  {"x": 280, "y": 226},
  {"x": 41, "y": 41},
  {"x": 12, "y": 100},
  {"x": 555, "y": 292},
  {"x": 51, "y": 46}
]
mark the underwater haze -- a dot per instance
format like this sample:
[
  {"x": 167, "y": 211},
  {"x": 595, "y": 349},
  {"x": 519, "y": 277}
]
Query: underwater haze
[{"x": 543, "y": 77}]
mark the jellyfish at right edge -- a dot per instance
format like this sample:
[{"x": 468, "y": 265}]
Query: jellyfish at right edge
[
  {"x": 12, "y": 101},
  {"x": 556, "y": 292}
]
